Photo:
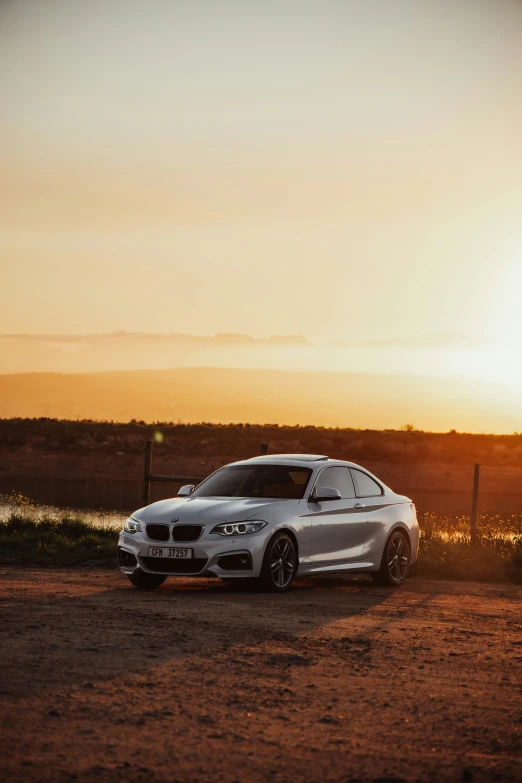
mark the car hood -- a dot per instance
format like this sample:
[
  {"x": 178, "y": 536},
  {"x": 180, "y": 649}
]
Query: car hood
[{"x": 212, "y": 509}]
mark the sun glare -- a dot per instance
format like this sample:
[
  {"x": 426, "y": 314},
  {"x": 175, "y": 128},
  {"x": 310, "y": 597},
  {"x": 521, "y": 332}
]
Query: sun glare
[{"x": 507, "y": 312}]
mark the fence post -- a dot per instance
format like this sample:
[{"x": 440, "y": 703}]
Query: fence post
[
  {"x": 473, "y": 526},
  {"x": 264, "y": 448},
  {"x": 147, "y": 472}
]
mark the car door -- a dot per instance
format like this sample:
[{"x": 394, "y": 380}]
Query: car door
[
  {"x": 371, "y": 494},
  {"x": 338, "y": 526}
]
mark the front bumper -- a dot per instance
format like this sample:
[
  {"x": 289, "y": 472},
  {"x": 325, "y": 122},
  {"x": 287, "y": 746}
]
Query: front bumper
[{"x": 208, "y": 556}]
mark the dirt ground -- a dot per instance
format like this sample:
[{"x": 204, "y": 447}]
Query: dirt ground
[{"x": 337, "y": 680}]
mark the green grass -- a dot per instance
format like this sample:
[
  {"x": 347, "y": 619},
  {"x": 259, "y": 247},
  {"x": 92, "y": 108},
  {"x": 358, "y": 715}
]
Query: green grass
[{"x": 31, "y": 535}]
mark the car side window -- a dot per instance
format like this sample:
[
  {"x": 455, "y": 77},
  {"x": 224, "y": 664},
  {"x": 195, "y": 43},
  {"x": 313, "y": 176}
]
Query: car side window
[
  {"x": 337, "y": 478},
  {"x": 366, "y": 487}
]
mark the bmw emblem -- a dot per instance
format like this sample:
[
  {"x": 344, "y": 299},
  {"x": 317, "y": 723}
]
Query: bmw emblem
[{"x": 176, "y": 519}]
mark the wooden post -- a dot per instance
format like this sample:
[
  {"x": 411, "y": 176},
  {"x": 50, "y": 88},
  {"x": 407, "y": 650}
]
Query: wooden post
[
  {"x": 474, "y": 505},
  {"x": 147, "y": 472},
  {"x": 264, "y": 448}
]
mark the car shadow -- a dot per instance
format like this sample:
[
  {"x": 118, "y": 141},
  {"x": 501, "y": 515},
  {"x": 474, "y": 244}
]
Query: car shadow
[{"x": 77, "y": 633}]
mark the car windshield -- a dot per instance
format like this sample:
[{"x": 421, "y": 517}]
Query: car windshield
[{"x": 256, "y": 481}]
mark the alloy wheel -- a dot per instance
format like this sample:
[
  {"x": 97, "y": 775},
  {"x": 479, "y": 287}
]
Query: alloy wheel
[
  {"x": 398, "y": 558},
  {"x": 282, "y": 562}
]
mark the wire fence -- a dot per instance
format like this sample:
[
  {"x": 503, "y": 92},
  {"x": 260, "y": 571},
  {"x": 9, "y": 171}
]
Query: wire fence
[
  {"x": 85, "y": 493},
  {"x": 440, "y": 489},
  {"x": 448, "y": 489}
]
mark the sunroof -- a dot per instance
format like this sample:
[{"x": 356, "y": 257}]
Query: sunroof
[{"x": 293, "y": 457}]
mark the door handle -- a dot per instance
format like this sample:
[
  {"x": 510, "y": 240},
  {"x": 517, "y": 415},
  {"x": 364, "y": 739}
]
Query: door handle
[{"x": 359, "y": 505}]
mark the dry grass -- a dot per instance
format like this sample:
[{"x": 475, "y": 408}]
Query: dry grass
[
  {"x": 31, "y": 534},
  {"x": 446, "y": 550}
]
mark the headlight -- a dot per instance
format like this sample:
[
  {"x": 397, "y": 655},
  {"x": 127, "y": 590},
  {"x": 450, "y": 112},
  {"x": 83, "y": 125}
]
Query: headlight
[
  {"x": 132, "y": 526},
  {"x": 238, "y": 528}
]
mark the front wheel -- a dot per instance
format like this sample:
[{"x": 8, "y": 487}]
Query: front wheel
[
  {"x": 146, "y": 581},
  {"x": 395, "y": 561},
  {"x": 279, "y": 563}
]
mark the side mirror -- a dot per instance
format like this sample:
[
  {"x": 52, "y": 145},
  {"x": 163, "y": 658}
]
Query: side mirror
[
  {"x": 186, "y": 490},
  {"x": 326, "y": 493}
]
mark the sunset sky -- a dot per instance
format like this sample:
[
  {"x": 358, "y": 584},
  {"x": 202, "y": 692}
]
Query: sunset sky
[{"x": 343, "y": 170}]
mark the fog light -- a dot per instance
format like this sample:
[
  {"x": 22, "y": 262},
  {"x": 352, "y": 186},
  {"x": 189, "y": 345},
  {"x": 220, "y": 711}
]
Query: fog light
[
  {"x": 241, "y": 562},
  {"x": 126, "y": 559}
]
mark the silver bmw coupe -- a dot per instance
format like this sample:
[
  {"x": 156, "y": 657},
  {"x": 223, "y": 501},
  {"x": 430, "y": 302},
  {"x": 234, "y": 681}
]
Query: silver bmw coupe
[{"x": 273, "y": 518}]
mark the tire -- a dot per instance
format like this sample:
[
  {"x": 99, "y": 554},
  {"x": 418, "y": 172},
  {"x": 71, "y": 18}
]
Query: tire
[
  {"x": 146, "y": 581},
  {"x": 395, "y": 562},
  {"x": 279, "y": 563}
]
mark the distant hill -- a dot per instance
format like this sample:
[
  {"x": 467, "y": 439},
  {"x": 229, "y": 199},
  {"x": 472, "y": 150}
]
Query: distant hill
[
  {"x": 264, "y": 396},
  {"x": 443, "y": 341},
  {"x": 140, "y": 350},
  {"x": 279, "y": 339},
  {"x": 135, "y": 350}
]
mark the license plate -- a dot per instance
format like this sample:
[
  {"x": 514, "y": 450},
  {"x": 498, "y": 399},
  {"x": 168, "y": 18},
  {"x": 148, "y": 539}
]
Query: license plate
[{"x": 170, "y": 552}]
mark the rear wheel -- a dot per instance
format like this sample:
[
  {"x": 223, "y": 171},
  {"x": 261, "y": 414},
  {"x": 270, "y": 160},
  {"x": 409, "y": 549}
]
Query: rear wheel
[
  {"x": 395, "y": 561},
  {"x": 146, "y": 581},
  {"x": 279, "y": 563}
]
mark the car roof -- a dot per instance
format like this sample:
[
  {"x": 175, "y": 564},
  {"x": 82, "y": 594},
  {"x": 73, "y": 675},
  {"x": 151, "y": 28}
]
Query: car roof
[
  {"x": 310, "y": 460},
  {"x": 274, "y": 458}
]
